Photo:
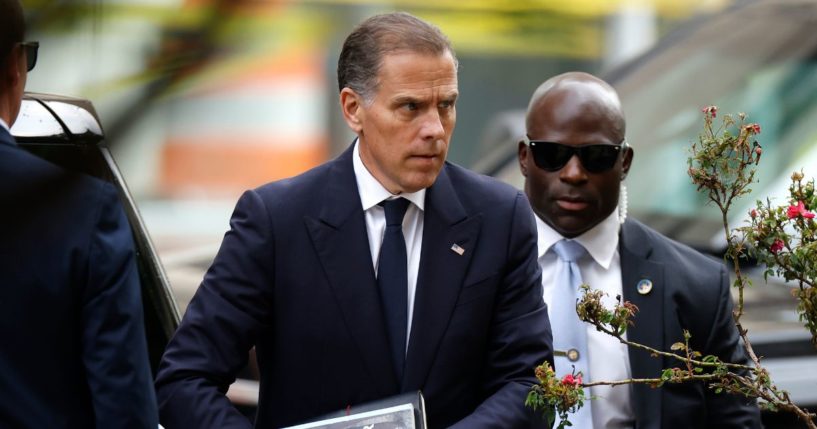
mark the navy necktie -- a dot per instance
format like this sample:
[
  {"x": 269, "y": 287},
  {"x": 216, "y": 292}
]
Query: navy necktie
[{"x": 392, "y": 280}]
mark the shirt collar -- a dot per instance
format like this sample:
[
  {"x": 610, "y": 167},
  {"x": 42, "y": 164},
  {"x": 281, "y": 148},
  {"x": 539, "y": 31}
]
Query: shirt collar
[
  {"x": 4, "y": 130},
  {"x": 601, "y": 241},
  {"x": 372, "y": 192}
]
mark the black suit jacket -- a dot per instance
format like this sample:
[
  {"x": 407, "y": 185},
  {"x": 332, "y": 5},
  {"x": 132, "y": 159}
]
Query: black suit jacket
[
  {"x": 74, "y": 353},
  {"x": 690, "y": 291},
  {"x": 294, "y": 278}
]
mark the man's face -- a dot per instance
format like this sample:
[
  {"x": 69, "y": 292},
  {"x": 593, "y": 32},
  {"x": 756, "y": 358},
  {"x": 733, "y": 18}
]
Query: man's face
[
  {"x": 405, "y": 130},
  {"x": 572, "y": 200}
]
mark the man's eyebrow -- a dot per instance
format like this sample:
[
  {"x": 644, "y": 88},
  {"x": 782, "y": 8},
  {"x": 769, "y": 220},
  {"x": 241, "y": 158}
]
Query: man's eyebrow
[
  {"x": 403, "y": 99},
  {"x": 452, "y": 95}
]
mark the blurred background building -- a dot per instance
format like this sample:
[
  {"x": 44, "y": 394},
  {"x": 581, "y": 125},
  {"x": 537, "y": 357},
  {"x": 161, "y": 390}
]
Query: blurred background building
[{"x": 202, "y": 99}]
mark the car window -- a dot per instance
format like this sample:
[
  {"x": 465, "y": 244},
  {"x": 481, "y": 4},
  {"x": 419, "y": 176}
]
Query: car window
[{"x": 760, "y": 60}]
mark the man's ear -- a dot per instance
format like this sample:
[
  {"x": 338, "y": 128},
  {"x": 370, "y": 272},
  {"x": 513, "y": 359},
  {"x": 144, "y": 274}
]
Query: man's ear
[
  {"x": 628, "y": 160},
  {"x": 351, "y": 103},
  {"x": 522, "y": 152}
]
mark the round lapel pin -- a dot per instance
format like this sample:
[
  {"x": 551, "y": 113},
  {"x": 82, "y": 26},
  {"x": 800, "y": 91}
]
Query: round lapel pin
[{"x": 644, "y": 286}]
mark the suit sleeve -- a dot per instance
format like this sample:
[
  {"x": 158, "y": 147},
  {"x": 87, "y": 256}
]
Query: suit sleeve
[
  {"x": 219, "y": 327},
  {"x": 114, "y": 347},
  {"x": 728, "y": 410},
  {"x": 520, "y": 336}
]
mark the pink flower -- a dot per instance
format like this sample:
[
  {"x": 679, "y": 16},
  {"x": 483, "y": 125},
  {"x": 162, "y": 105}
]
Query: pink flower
[
  {"x": 799, "y": 210},
  {"x": 572, "y": 380},
  {"x": 710, "y": 111},
  {"x": 777, "y": 246},
  {"x": 753, "y": 128}
]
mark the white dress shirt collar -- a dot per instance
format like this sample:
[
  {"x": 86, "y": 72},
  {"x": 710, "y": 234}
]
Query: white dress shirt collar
[
  {"x": 601, "y": 241},
  {"x": 372, "y": 192},
  {"x": 4, "y": 125}
]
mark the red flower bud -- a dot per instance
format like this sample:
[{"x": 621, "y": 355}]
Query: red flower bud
[
  {"x": 570, "y": 380},
  {"x": 777, "y": 246},
  {"x": 753, "y": 213}
]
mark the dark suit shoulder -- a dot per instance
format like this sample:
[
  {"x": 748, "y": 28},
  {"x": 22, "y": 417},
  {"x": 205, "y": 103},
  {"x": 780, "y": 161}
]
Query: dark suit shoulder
[
  {"x": 32, "y": 185},
  {"x": 480, "y": 192},
  {"x": 296, "y": 191},
  {"x": 666, "y": 249}
]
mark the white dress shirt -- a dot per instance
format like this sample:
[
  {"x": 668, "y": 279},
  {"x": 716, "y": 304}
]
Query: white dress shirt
[
  {"x": 372, "y": 193},
  {"x": 4, "y": 125},
  {"x": 609, "y": 360}
]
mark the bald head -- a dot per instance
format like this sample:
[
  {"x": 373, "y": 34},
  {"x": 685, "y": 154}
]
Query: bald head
[
  {"x": 570, "y": 93},
  {"x": 579, "y": 115}
]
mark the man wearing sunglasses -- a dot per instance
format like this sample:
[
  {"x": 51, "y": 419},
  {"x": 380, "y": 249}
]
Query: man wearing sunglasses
[
  {"x": 574, "y": 159},
  {"x": 71, "y": 328}
]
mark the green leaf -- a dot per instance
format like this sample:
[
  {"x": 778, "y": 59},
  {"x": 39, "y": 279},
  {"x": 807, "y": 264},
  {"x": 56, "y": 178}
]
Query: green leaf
[{"x": 678, "y": 346}]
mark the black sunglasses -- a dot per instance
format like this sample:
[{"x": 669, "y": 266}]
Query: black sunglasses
[
  {"x": 595, "y": 158},
  {"x": 31, "y": 53}
]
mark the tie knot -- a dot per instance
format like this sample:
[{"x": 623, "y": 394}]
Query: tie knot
[
  {"x": 569, "y": 250},
  {"x": 395, "y": 210}
]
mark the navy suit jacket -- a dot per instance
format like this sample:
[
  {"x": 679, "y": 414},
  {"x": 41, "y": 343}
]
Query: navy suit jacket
[
  {"x": 294, "y": 278},
  {"x": 73, "y": 344},
  {"x": 690, "y": 291}
]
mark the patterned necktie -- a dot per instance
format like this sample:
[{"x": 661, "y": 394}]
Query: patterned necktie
[
  {"x": 392, "y": 280},
  {"x": 570, "y": 333}
]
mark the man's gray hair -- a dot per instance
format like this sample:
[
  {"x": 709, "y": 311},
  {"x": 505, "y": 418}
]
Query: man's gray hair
[{"x": 380, "y": 35}]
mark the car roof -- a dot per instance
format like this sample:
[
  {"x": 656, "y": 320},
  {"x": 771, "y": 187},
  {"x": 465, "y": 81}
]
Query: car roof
[{"x": 49, "y": 118}]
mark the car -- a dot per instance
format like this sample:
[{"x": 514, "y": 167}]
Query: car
[
  {"x": 757, "y": 57},
  {"x": 67, "y": 132}
]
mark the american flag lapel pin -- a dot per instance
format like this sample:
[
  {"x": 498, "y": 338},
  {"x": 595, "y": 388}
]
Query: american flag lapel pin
[{"x": 457, "y": 249}]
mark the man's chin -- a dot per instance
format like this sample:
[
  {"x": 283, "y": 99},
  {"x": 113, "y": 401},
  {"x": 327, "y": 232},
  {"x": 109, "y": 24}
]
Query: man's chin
[
  {"x": 570, "y": 225},
  {"x": 420, "y": 181}
]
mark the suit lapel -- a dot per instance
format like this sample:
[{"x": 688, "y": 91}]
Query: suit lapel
[
  {"x": 6, "y": 137},
  {"x": 441, "y": 274},
  {"x": 340, "y": 239},
  {"x": 635, "y": 250}
]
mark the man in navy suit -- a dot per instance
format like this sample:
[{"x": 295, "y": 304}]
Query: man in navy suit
[
  {"x": 301, "y": 275},
  {"x": 74, "y": 353},
  {"x": 574, "y": 159}
]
